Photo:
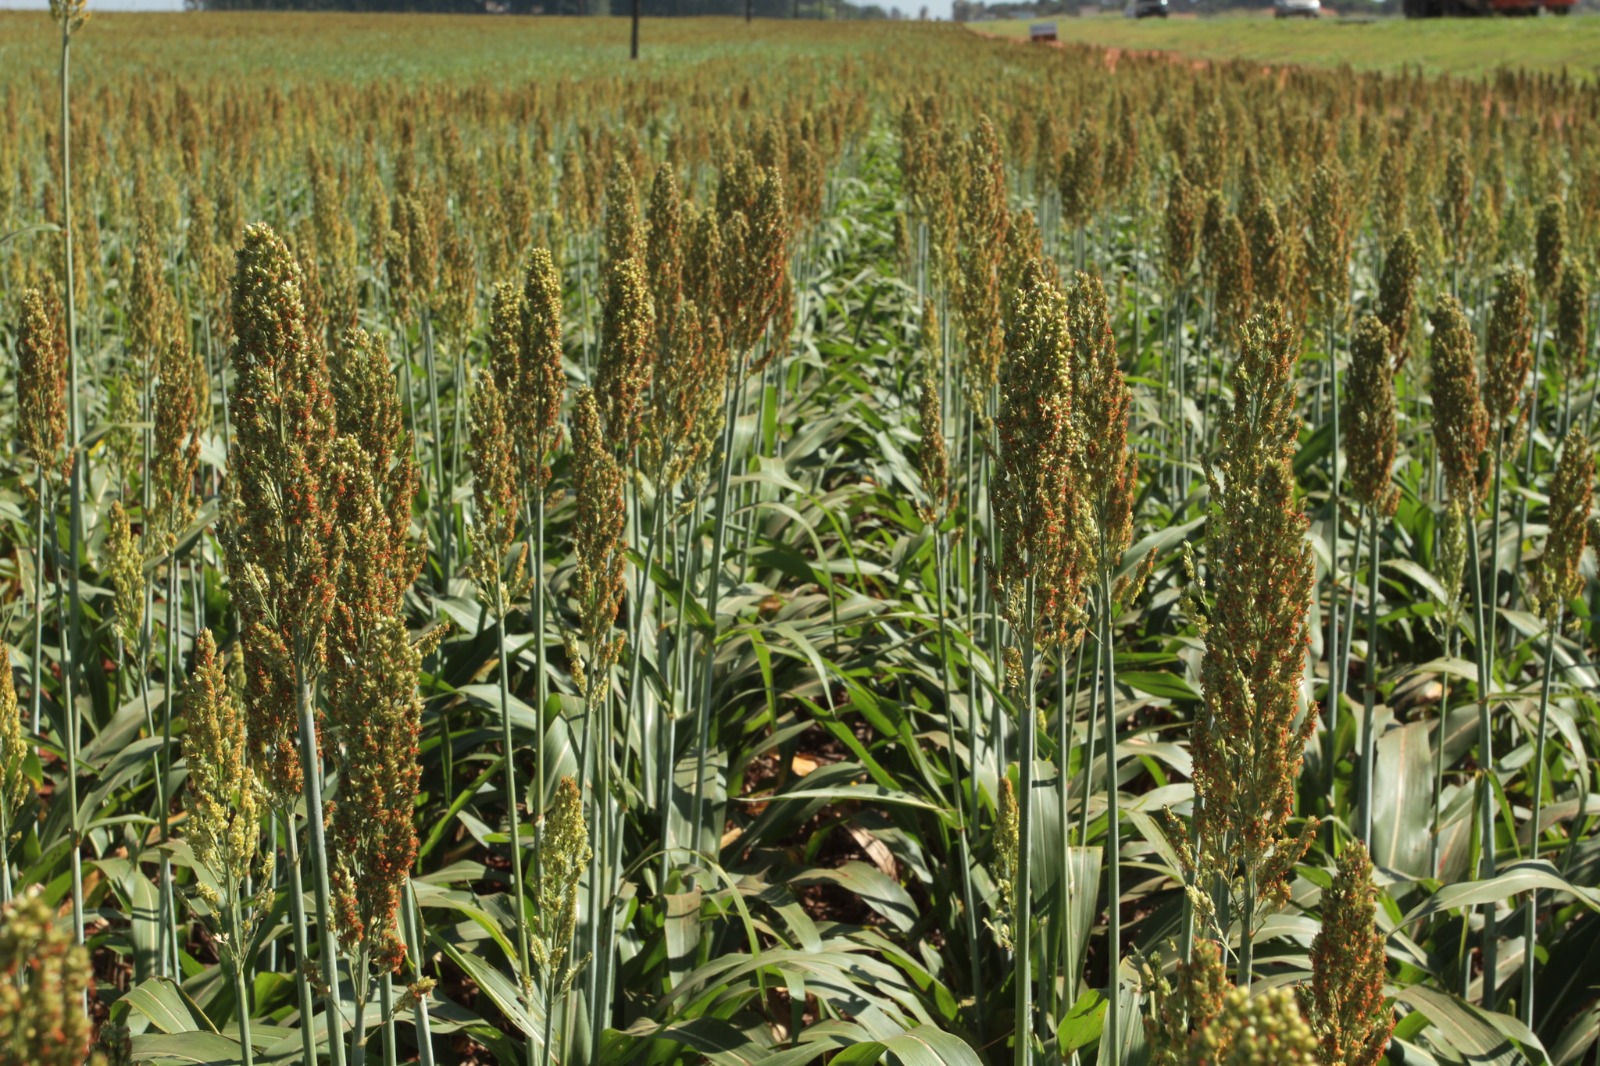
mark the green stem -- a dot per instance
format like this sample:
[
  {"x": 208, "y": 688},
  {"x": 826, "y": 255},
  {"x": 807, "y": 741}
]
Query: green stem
[
  {"x": 1368, "y": 742},
  {"x": 413, "y": 936},
  {"x": 37, "y": 675},
  {"x": 441, "y": 501},
  {"x": 1486, "y": 808},
  {"x": 1022, "y": 935},
  {"x": 302, "y": 949},
  {"x": 241, "y": 982},
  {"x": 1531, "y": 916},
  {"x": 311, "y": 769},
  {"x": 513, "y": 816},
  {"x": 1113, "y": 827},
  {"x": 966, "y": 817},
  {"x": 713, "y": 592}
]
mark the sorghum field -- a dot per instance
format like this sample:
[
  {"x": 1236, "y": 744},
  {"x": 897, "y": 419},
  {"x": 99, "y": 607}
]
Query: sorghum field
[{"x": 837, "y": 542}]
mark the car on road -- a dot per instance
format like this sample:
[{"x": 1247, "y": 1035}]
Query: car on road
[
  {"x": 1145, "y": 9},
  {"x": 1288, "y": 9}
]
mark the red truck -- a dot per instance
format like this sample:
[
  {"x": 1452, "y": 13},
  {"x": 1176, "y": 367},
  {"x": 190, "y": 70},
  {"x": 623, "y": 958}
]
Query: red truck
[{"x": 1421, "y": 9}]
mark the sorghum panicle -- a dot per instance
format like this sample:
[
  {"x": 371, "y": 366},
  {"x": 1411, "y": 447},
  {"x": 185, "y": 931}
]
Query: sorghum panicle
[
  {"x": 1034, "y": 496},
  {"x": 686, "y": 409},
  {"x": 1550, "y": 246},
  {"x": 42, "y": 383},
  {"x": 1260, "y": 1030},
  {"x": 280, "y": 531},
  {"x": 984, "y": 221},
  {"x": 152, "y": 310},
  {"x": 15, "y": 787},
  {"x": 1344, "y": 1003},
  {"x": 1181, "y": 1011},
  {"x": 599, "y": 549},
  {"x": 1249, "y": 742},
  {"x": 376, "y": 714},
  {"x": 1179, "y": 228},
  {"x": 1397, "y": 291},
  {"x": 496, "y": 493},
  {"x": 623, "y": 237},
  {"x": 175, "y": 458},
  {"x": 565, "y": 854},
  {"x": 1007, "y": 851},
  {"x": 541, "y": 380},
  {"x": 933, "y": 457},
  {"x": 367, "y": 406},
  {"x": 1461, "y": 423},
  {"x": 1370, "y": 442},
  {"x": 1328, "y": 252},
  {"x": 627, "y": 346},
  {"x": 125, "y": 567},
  {"x": 227, "y": 805},
  {"x": 1556, "y": 575},
  {"x": 42, "y": 1021},
  {"x": 1235, "y": 273},
  {"x": 664, "y": 247},
  {"x": 1100, "y": 403},
  {"x": 1508, "y": 355},
  {"x": 1572, "y": 324}
]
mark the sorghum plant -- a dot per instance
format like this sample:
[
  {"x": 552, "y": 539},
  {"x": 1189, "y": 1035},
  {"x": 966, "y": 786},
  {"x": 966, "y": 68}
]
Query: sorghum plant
[
  {"x": 1344, "y": 1003},
  {"x": 229, "y": 807},
  {"x": 1370, "y": 445},
  {"x": 1109, "y": 483},
  {"x": 1038, "y": 508},
  {"x": 1461, "y": 432},
  {"x": 42, "y": 1022},
  {"x": 1249, "y": 739},
  {"x": 15, "y": 788},
  {"x": 374, "y": 711},
  {"x": 1556, "y": 580},
  {"x": 284, "y": 552}
]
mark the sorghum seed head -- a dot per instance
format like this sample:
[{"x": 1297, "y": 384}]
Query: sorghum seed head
[
  {"x": 42, "y": 382},
  {"x": 566, "y": 854},
  {"x": 1248, "y": 745},
  {"x": 664, "y": 246},
  {"x": 598, "y": 544},
  {"x": 14, "y": 749},
  {"x": 280, "y": 531},
  {"x": 125, "y": 568},
  {"x": 1100, "y": 404},
  {"x": 369, "y": 411},
  {"x": 1508, "y": 354},
  {"x": 1550, "y": 246},
  {"x": 1370, "y": 442},
  {"x": 175, "y": 459},
  {"x": 1178, "y": 231},
  {"x": 542, "y": 382},
  {"x": 1035, "y": 494},
  {"x": 41, "y": 1016},
  {"x": 226, "y": 803},
  {"x": 1397, "y": 290},
  {"x": 1344, "y": 1003},
  {"x": 933, "y": 458},
  {"x": 497, "y": 496},
  {"x": 627, "y": 343},
  {"x": 1557, "y": 577},
  {"x": 1572, "y": 324},
  {"x": 373, "y": 707},
  {"x": 1461, "y": 424}
]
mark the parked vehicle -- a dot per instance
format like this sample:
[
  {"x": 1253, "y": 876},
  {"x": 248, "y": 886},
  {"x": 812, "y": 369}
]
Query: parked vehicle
[
  {"x": 1144, "y": 9},
  {"x": 1306, "y": 9}
]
